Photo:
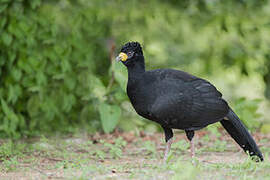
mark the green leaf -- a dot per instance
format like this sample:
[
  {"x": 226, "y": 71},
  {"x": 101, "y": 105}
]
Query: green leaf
[
  {"x": 14, "y": 91},
  {"x": 12, "y": 118},
  {"x": 70, "y": 82},
  {"x": 3, "y": 7},
  {"x": 7, "y": 39},
  {"x": 59, "y": 76},
  {"x": 16, "y": 74},
  {"x": 5, "y": 1},
  {"x": 34, "y": 89},
  {"x": 68, "y": 101},
  {"x": 121, "y": 75},
  {"x": 35, "y": 3},
  {"x": 3, "y": 21},
  {"x": 97, "y": 87},
  {"x": 11, "y": 56},
  {"x": 265, "y": 128},
  {"x": 109, "y": 115},
  {"x": 41, "y": 78},
  {"x": 33, "y": 105}
]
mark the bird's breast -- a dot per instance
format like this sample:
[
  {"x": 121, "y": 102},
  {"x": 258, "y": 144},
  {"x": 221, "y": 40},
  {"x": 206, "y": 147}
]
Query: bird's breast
[{"x": 141, "y": 101}]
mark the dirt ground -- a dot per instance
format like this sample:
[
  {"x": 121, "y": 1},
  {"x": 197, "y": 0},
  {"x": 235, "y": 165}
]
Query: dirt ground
[{"x": 131, "y": 156}]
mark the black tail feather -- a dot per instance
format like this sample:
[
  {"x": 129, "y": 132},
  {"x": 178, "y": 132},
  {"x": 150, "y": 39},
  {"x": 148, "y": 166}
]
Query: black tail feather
[{"x": 240, "y": 134}]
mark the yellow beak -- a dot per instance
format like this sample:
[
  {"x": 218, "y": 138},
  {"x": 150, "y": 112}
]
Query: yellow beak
[{"x": 122, "y": 57}]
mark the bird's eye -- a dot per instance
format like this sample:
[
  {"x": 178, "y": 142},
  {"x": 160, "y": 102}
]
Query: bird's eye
[{"x": 129, "y": 54}]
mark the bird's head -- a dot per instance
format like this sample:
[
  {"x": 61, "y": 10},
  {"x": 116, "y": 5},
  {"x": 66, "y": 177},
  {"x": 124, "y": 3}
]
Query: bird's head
[{"x": 130, "y": 53}]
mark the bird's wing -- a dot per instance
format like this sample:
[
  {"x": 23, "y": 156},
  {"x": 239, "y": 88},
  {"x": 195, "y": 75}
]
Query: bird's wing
[{"x": 185, "y": 101}]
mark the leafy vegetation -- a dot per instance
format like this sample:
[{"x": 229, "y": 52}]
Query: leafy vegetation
[{"x": 57, "y": 69}]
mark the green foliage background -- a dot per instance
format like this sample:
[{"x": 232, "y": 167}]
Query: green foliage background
[{"x": 56, "y": 58}]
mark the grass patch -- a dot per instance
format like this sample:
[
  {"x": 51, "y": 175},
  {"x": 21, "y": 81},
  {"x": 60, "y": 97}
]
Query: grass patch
[{"x": 113, "y": 157}]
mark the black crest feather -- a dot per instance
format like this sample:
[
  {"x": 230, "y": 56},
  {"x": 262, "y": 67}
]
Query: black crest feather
[{"x": 132, "y": 46}]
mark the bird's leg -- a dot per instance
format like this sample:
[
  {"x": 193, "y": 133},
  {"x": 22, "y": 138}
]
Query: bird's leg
[
  {"x": 192, "y": 148},
  {"x": 169, "y": 139},
  {"x": 190, "y": 135},
  {"x": 167, "y": 150}
]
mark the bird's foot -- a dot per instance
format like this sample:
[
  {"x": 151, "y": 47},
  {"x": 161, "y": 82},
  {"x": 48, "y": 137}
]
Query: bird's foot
[{"x": 193, "y": 161}]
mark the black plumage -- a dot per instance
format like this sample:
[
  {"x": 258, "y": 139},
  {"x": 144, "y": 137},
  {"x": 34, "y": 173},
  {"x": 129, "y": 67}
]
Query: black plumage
[{"x": 178, "y": 100}]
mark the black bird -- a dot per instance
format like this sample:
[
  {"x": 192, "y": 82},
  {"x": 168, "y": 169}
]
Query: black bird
[{"x": 178, "y": 100}]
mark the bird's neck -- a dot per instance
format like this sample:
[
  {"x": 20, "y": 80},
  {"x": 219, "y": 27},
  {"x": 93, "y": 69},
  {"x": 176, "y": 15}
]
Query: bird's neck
[{"x": 135, "y": 71}]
